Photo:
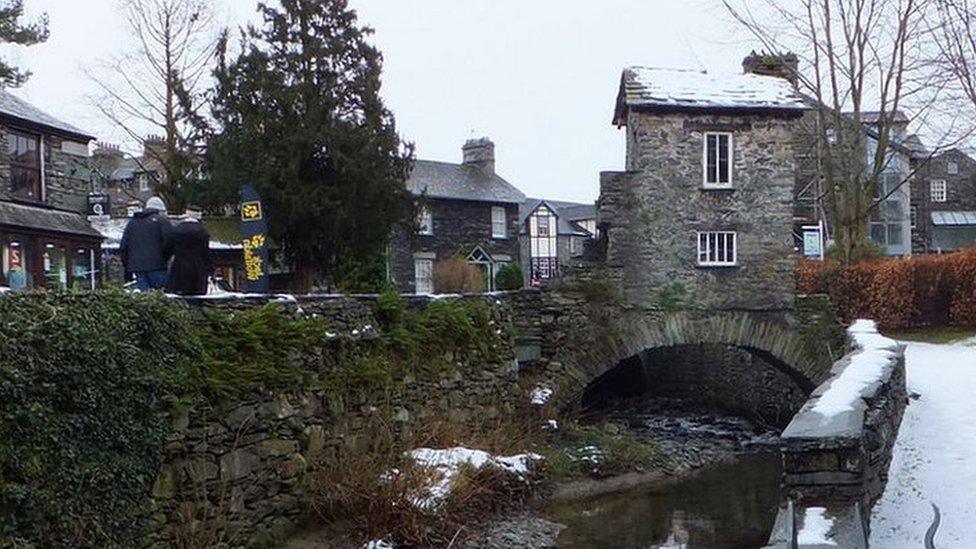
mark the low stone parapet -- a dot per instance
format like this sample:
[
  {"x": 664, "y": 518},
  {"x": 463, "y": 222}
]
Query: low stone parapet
[{"x": 837, "y": 449}]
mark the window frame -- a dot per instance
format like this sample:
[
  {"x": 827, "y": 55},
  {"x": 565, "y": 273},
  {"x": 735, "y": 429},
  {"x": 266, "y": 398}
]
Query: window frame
[
  {"x": 425, "y": 222},
  {"x": 496, "y": 223},
  {"x": 729, "y": 161},
  {"x": 944, "y": 192},
  {"x": 15, "y": 165},
  {"x": 952, "y": 168},
  {"x": 707, "y": 252},
  {"x": 429, "y": 286},
  {"x": 913, "y": 217}
]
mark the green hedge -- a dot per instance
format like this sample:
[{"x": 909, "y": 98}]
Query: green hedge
[
  {"x": 86, "y": 381},
  {"x": 83, "y": 381}
]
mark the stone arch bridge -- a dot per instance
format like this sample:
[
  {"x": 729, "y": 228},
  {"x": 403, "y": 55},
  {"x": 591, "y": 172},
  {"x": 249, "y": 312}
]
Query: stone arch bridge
[{"x": 571, "y": 340}]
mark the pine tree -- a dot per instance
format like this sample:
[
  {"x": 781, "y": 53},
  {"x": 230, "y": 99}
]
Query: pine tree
[
  {"x": 12, "y": 31},
  {"x": 299, "y": 116}
]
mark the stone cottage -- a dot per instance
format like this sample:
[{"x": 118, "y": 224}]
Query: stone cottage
[
  {"x": 553, "y": 234},
  {"x": 45, "y": 180},
  {"x": 467, "y": 211},
  {"x": 703, "y": 213},
  {"x": 944, "y": 202}
]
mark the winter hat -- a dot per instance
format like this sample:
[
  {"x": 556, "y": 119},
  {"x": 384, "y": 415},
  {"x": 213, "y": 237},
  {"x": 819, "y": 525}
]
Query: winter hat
[{"x": 156, "y": 203}]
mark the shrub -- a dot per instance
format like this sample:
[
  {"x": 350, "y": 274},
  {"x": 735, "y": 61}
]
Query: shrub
[
  {"x": 509, "y": 277},
  {"x": 898, "y": 293},
  {"x": 84, "y": 380},
  {"x": 457, "y": 276}
]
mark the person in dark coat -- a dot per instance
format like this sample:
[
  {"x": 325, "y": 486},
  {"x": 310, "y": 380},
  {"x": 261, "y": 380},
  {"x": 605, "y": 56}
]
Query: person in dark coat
[
  {"x": 145, "y": 246},
  {"x": 189, "y": 273}
]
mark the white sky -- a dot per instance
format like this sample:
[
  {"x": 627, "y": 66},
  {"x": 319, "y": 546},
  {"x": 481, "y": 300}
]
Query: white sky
[{"x": 539, "y": 77}]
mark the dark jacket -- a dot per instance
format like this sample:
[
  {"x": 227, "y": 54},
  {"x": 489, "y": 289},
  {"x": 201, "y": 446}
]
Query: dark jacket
[
  {"x": 191, "y": 259},
  {"x": 145, "y": 242}
]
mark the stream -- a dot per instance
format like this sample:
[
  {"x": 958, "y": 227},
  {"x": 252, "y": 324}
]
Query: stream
[{"x": 729, "y": 499}]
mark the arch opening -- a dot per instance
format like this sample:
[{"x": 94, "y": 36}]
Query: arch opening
[{"x": 743, "y": 381}]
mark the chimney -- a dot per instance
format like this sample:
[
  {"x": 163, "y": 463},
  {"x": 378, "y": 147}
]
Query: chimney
[
  {"x": 781, "y": 65},
  {"x": 481, "y": 154},
  {"x": 154, "y": 148}
]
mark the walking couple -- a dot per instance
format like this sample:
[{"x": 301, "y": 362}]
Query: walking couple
[{"x": 150, "y": 240}]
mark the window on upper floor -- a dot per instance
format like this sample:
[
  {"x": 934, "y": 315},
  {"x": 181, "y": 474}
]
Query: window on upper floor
[
  {"x": 499, "y": 227},
  {"x": 952, "y": 168},
  {"x": 425, "y": 221},
  {"x": 717, "y": 159},
  {"x": 24, "y": 152},
  {"x": 938, "y": 190},
  {"x": 717, "y": 248},
  {"x": 143, "y": 182}
]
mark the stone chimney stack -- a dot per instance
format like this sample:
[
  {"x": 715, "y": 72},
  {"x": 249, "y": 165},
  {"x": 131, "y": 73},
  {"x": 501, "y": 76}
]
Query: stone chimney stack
[
  {"x": 782, "y": 65},
  {"x": 480, "y": 153},
  {"x": 154, "y": 148}
]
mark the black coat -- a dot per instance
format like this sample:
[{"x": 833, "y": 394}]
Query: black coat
[
  {"x": 145, "y": 244},
  {"x": 191, "y": 259}
]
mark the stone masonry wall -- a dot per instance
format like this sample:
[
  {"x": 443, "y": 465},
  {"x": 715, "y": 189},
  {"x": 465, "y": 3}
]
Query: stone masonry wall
[
  {"x": 652, "y": 211},
  {"x": 66, "y": 176},
  {"x": 237, "y": 472},
  {"x": 844, "y": 458}
]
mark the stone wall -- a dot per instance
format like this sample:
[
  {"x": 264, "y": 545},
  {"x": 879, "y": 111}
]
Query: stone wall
[
  {"x": 66, "y": 176},
  {"x": 238, "y": 472},
  {"x": 843, "y": 457},
  {"x": 459, "y": 226},
  {"x": 652, "y": 212}
]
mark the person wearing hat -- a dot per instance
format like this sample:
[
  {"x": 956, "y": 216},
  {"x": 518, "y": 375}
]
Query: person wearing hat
[
  {"x": 191, "y": 256},
  {"x": 145, "y": 246}
]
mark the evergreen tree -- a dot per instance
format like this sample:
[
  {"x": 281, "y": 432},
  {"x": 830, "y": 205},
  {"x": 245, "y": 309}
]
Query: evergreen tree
[
  {"x": 299, "y": 116},
  {"x": 12, "y": 31}
]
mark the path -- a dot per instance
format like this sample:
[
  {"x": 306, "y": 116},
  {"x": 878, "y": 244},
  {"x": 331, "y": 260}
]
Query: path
[{"x": 935, "y": 454}]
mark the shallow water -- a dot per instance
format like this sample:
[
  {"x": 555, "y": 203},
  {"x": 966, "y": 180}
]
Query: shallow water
[{"x": 731, "y": 506}]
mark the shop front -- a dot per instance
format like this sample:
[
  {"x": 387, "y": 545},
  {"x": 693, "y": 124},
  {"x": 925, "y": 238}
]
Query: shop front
[{"x": 45, "y": 248}]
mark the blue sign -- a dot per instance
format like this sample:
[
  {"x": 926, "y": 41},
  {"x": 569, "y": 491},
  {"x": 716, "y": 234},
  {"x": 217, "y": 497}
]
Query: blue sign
[{"x": 254, "y": 237}]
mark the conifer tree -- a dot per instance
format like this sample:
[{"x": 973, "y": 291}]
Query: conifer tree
[
  {"x": 298, "y": 115},
  {"x": 13, "y": 31}
]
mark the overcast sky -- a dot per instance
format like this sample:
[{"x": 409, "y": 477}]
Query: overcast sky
[{"x": 538, "y": 77}]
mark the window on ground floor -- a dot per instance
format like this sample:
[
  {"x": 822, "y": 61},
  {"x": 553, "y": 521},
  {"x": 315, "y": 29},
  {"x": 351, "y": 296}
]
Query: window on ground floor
[
  {"x": 16, "y": 265},
  {"x": 717, "y": 248},
  {"x": 888, "y": 234},
  {"x": 423, "y": 272}
]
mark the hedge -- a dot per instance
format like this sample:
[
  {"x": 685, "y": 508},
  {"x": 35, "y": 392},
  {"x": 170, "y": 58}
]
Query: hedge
[
  {"x": 918, "y": 292},
  {"x": 87, "y": 381}
]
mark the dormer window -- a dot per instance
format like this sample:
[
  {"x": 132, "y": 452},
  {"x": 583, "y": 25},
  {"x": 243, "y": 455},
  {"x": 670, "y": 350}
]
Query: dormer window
[
  {"x": 717, "y": 160},
  {"x": 24, "y": 152}
]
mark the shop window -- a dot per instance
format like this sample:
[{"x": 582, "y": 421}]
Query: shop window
[
  {"x": 83, "y": 269},
  {"x": 16, "y": 272},
  {"x": 55, "y": 267}
]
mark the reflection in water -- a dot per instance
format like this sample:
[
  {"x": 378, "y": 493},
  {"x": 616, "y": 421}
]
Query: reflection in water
[{"x": 730, "y": 507}]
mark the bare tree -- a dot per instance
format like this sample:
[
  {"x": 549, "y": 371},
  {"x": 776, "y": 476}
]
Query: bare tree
[
  {"x": 864, "y": 62},
  {"x": 954, "y": 35},
  {"x": 158, "y": 87}
]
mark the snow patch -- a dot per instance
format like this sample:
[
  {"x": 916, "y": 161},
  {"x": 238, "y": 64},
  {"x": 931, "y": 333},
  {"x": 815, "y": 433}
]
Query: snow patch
[
  {"x": 866, "y": 367},
  {"x": 816, "y": 528},
  {"x": 551, "y": 425},
  {"x": 379, "y": 544},
  {"x": 446, "y": 464},
  {"x": 695, "y": 88},
  {"x": 540, "y": 395}
]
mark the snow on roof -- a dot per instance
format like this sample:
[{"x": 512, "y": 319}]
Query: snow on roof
[
  {"x": 112, "y": 228},
  {"x": 695, "y": 89}
]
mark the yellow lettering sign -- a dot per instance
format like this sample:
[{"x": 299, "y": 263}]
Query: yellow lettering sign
[{"x": 251, "y": 211}]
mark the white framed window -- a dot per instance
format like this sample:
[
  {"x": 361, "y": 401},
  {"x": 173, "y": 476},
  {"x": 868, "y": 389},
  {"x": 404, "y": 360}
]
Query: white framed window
[
  {"x": 499, "y": 228},
  {"x": 952, "y": 168},
  {"x": 717, "y": 248},
  {"x": 425, "y": 221},
  {"x": 913, "y": 215},
  {"x": 717, "y": 159},
  {"x": 938, "y": 190},
  {"x": 423, "y": 275}
]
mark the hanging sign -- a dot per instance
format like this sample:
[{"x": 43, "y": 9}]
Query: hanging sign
[{"x": 254, "y": 237}]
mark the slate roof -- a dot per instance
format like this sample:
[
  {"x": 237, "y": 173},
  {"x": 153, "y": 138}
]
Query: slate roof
[
  {"x": 460, "y": 182},
  {"x": 38, "y": 218},
  {"x": 954, "y": 218},
  {"x": 651, "y": 88},
  {"x": 16, "y": 108},
  {"x": 872, "y": 117},
  {"x": 567, "y": 215}
]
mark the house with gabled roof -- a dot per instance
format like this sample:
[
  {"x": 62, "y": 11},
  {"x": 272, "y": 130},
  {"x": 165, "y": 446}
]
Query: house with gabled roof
[
  {"x": 467, "y": 210},
  {"x": 553, "y": 234},
  {"x": 45, "y": 180}
]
